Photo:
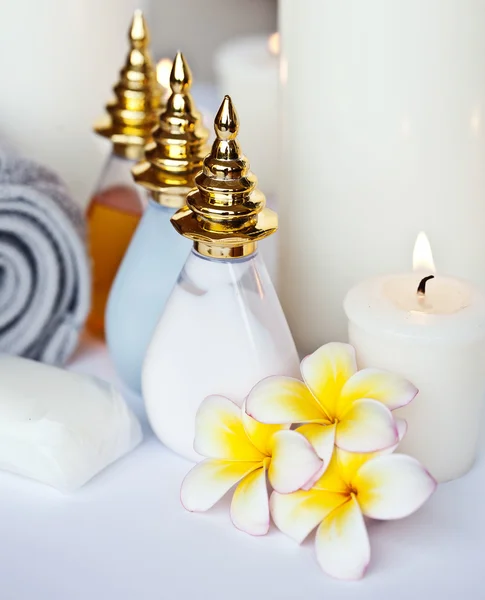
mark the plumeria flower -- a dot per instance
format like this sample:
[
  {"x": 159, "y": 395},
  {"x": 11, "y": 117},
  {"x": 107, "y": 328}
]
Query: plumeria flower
[
  {"x": 339, "y": 405},
  {"x": 241, "y": 451},
  {"x": 380, "y": 486}
]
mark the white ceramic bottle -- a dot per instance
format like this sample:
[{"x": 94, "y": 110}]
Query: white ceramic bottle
[{"x": 223, "y": 328}]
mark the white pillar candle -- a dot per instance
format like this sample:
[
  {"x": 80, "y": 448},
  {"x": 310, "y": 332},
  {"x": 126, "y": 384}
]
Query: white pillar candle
[
  {"x": 437, "y": 341},
  {"x": 382, "y": 135},
  {"x": 247, "y": 70}
]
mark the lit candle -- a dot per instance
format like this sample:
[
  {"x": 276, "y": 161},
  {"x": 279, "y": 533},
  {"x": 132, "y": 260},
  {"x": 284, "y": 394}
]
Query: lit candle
[
  {"x": 382, "y": 122},
  {"x": 247, "y": 70},
  {"x": 430, "y": 329}
]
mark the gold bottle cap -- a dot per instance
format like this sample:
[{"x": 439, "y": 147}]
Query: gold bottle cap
[
  {"x": 225, "y": 215},
  {"x": 133, "y": 113},
  {"x": 178, "y": 146}
]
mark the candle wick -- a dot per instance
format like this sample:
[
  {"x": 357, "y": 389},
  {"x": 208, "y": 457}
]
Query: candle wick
[{"x": 421, "y": 291}]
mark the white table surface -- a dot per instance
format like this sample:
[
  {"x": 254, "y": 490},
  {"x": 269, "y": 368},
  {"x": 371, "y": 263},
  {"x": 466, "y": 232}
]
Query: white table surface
[{"x": 125, "y": 536}]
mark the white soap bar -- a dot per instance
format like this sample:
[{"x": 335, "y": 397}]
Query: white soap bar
[{"x": 60, "y": 427}]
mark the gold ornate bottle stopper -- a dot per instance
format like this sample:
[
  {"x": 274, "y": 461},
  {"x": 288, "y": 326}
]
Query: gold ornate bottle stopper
[
  {"x": 133, "y": 113},
  {"x": 178, "y": 146},
  {"x": 225, "y": 215}
]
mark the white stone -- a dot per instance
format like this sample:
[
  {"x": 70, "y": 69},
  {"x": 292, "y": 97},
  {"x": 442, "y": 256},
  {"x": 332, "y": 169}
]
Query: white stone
[{"x": 59, "y": 427}]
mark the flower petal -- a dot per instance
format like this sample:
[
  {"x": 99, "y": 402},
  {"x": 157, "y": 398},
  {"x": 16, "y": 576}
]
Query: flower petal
[
  {"x": 342, "y": 544},
  {"x": 219, "y": 431},
  {"x": 250, "y": 506},
  {"x": 333, "y": 479},
  {"x": 326, "y": 371},
  {"x": 294, "y": 462},
  {"x": 367, "y": 426},
  {"x": 318, "y": 475},
  {"x": 402, "y": 428},
  {"x": 299, "y": 513},
  {"x": 321, "y": 437},
  {"x": 210, "y": 480},
  {"x": 392, "y": 487},
  {"x": 348, "y": 463},
  {"x": 260, "y": 434},
  {"x": 282, "y": 400},
  {"x": 392, "y": 390}
]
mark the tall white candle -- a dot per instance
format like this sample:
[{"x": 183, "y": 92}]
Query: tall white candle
[
  {"x": 436, "y": 339},
  {"x": 382, "y": 124},
  {"x": 247, "y": 70}
]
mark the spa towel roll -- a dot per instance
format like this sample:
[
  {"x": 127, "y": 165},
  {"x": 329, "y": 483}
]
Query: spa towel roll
[{"x": 44, "y": 267}]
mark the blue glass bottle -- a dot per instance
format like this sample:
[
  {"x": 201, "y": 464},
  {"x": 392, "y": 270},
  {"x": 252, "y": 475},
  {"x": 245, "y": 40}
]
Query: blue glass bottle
[
  {"x": 156, "y": 254},
  {"x": 144, "y": 281}
]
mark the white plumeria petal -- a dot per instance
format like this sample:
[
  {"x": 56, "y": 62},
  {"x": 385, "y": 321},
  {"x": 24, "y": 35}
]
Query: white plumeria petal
[
  {"x": 342, "y": 544},
  {"x": 299, "y": 513},
  {"x": 321, "y": 437},
  {"x": 334, "y": 478},
  {"x": 250, "y": 505},
  {"x": 220, "y": 433},
  {"x": 402, "y": 427},
  {"x": 326, "y": 371},
  {"x": 282, "y": 400},
  {"x": 367, "y": 426},
  {"x": 392, "y": 487},
  {"x": 210, "y": 480},
  {"x": 318, "y": 475},
  {"x": 392, "y": 390},
  {"x": 346, "y": 464},
  {"x": 294, "y": 462},
  {"x": 350, "y": 462},
  {"x": 260, "y": 434}
]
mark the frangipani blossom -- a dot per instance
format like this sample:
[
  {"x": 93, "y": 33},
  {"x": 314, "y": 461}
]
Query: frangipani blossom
[
  {"x": 241, "y": 451},
  {"x": 381, "y": 486},
  {"x": 339, "y": 405}
]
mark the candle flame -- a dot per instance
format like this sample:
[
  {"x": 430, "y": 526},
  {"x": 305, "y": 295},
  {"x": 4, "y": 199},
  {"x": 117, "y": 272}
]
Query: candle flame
[
  {"x": 164, "y": 67},
  {"x": 274, "y": 43},
  {"x": 422, "y": 255}
]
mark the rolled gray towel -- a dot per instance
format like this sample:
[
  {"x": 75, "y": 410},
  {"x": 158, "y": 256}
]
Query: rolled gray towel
[{"x": 45, "y": 283}]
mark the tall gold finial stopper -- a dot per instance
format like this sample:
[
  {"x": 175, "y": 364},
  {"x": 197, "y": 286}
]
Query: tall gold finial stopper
[
  {"x": 133, "y": 112},
  {"x": 226, "y": 215},
  {"x": 175, "y": 155}
]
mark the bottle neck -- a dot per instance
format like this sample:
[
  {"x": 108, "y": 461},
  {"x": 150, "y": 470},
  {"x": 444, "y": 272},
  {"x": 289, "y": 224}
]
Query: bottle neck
[
  {"x": 228, "y": 253},
  {"x": 221, "y": 259}
]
